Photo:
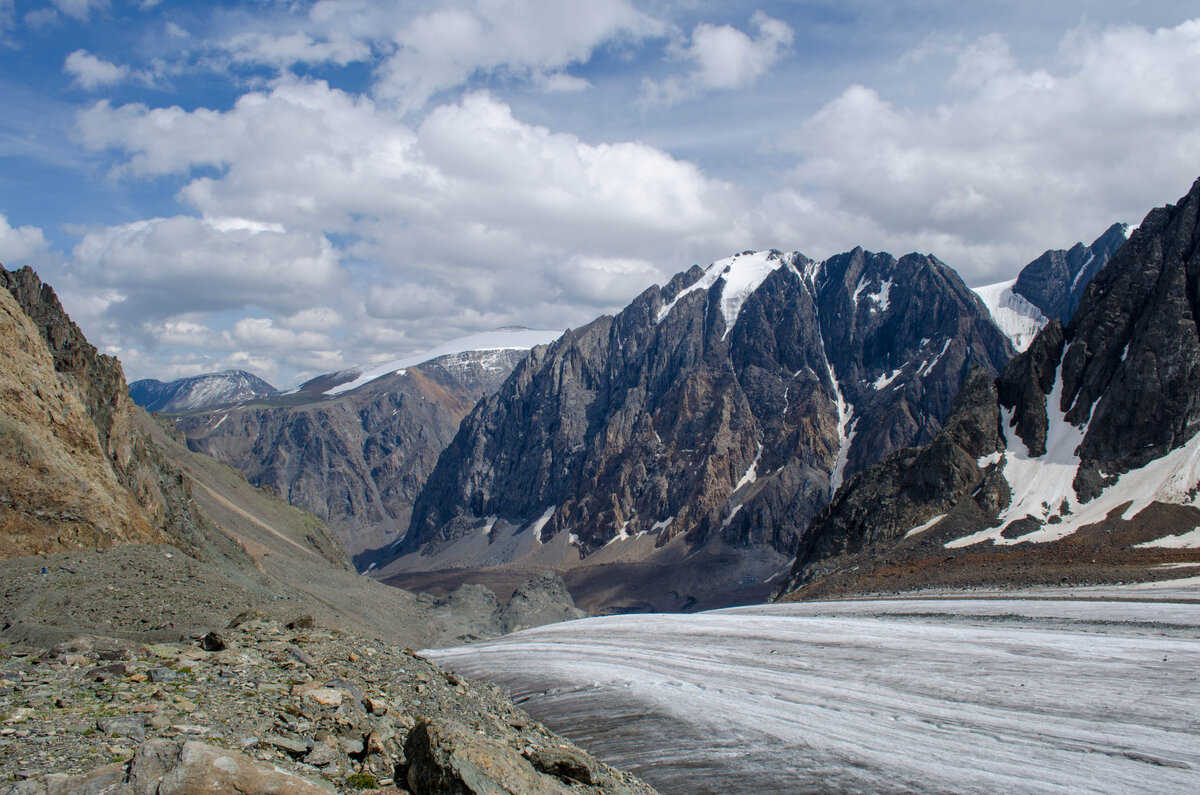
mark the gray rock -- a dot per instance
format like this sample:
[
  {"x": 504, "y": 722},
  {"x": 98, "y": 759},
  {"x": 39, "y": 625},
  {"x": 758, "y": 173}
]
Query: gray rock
[
  {"x": 446, "y": 758},
  {"x": 124, "y": 726}
]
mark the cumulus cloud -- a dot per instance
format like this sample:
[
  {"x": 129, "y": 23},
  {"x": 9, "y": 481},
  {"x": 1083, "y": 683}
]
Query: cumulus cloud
[
  {"x": 469, "y": 219},
  {"x": 17, "y": 245},
  {"x": 1015, "y": 159},
  {"x": 80, "y": 9},
  {"x": 292, "y": 48},
  {"x": 166, "y": 266},
  {"x": 722, "y": 58},
  {"x": 90, "y": 72},
  {"x": 521, "y": 38}
]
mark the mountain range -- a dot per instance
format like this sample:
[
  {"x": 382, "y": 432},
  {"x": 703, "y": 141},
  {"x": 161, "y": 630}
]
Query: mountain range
[
  {"x": 353, "y": 447},
  {"x": 1081, "y": 462},
  {"x": 199, "y": 391}
]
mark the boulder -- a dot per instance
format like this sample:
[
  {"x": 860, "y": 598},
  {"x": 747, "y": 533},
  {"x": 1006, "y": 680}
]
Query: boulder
[{"x": 446, "y": 758}]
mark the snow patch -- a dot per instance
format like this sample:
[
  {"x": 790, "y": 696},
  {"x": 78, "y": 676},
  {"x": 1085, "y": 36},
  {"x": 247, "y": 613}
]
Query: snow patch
[
  {"x": 1190, "y": 540},
  {"x": 885, "y": 379},
  {"x": 496, "y": 340},
  {"x": 540, "y": 522},
  {"x": 1043, "y": 486},
  {"x": 926, "y": 369},
  {"x": 923, "y": 527},
  {"x": 751, "y": 473},
  {"x": 741, "y": 275},
  {"x": 881, "y": 298},
  {"x": 658, "y": 526},
  {"x": 1013, "y": 313},
  {"x": 732, "y": 514},
  {"x": 991, "y": 459}
]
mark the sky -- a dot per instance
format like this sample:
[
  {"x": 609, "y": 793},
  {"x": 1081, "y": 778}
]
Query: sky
[{"x": 298, "y": 187}]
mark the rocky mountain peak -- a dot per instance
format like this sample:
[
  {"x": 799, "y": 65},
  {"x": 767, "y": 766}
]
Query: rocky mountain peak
[
  {"x": 719, "y": 412},
  {"x": 1086, "y": 449}
]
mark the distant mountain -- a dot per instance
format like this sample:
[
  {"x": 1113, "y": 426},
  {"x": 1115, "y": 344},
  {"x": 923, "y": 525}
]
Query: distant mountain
[
  {"x": 1081, "y": 462},
  {"x": 668, "y": 457},
  {"x": 354, "y": 447},
  {"x": 199, "y": 391},
  {"x": 1050, "y": 287}
]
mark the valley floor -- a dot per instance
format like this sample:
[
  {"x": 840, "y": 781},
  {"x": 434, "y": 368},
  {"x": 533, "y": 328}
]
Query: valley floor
[{"x": 1031, "y": 694}]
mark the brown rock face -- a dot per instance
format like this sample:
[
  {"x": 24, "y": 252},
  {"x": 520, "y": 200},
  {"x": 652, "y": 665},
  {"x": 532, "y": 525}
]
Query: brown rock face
[
  {"x": 356, "y": 460},
  {"x": 81, "y": 472}
]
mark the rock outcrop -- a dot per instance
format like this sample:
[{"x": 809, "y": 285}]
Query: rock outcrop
[
  {"x": 721, "y": 411},
  {"x": 272, "y": 709},
  {"x": 1081, "y": 462},
  {"x": 81, "y": 471}
]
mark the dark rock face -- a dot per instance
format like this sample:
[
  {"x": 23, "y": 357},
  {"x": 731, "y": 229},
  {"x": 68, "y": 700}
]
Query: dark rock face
[
  {"x": 1055, "y": 282},
  {"x": 1126, "y": 374},
  {"x": 356, "y": 460},
  {"x": 911, "y": 486},
  {"x": 722, "y": 418},
  {"x": 1131, "y": 369},
  {"x": 200, "y": 391},
  {"x": 157, "y": 486}
]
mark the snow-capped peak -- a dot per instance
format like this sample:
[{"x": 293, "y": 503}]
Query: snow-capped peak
[
  {"x": 507, "y": 338},
  {"x": 742, "y": 274}
]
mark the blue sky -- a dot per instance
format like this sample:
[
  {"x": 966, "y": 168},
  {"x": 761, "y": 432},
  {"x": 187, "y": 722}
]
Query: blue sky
[{"x": 297, "y": 187}]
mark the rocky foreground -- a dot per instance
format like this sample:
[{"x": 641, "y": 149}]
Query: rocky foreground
[{"x": 266, "y": 707}]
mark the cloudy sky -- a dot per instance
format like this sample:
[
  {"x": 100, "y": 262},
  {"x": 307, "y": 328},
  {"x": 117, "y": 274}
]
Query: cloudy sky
[{"x": 295, "y": 187}]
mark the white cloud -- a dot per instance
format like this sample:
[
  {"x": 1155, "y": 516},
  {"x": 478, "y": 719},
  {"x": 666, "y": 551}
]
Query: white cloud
[
  {"x": 469, "y": 220},
  {"x": 166, "y": 266},
  {"x": 1016, "y": 159},
  {"x": 287, "y": 49},
  {"x": 20, "y": 244},
  {"x": 80, "y": 9},
  {"x": 90, "y": 72},
  {"x": 723, "y": 58},
  {"x": 519, "y": 38}
]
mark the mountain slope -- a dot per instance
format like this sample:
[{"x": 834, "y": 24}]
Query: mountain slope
[
  {"x": 1082, "y": 460},
  {"x": 1050, "y": 287},
  {"x": 355, "y": 447},
  {"x": 198, "y": 391},
  {"x": 717, "y": 413}
]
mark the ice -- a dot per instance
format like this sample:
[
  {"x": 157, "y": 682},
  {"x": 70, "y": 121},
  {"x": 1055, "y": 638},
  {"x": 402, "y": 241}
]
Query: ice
[
  {"x": 659, "y": 525},
  {"x": 889, "y": 696},
  {"x": 742, "y": 274},
  {"x": 1017, "y": 318},
  {"x": 499, "y": 339},
  {"x": 923, "y": 527}
]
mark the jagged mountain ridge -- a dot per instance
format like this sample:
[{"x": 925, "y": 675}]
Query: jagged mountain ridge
[
  {"x": 198, "y": 391},
  {"x": 1050, "y": 287},
  {"x": 720, "y": 410},
  {"x": 358, "y": 457},
  {"x": 1081, "y": 460}
]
